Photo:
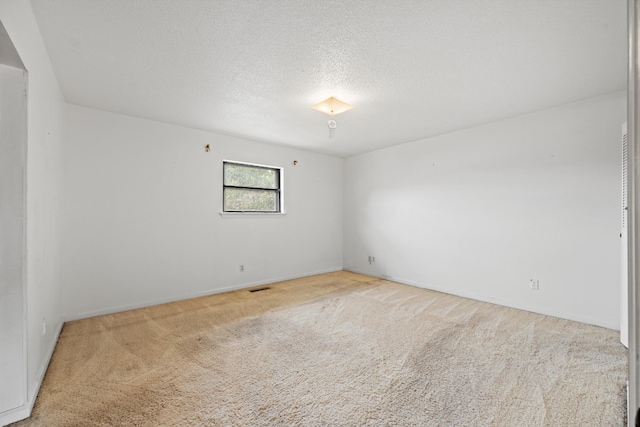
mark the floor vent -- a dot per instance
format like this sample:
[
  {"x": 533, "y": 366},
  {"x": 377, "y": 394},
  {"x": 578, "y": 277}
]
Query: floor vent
[{"x": 259, "y": 289}]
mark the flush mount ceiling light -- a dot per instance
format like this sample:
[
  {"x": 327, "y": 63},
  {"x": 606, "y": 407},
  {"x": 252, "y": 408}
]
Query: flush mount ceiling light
[{"x": 332, "y": 106}]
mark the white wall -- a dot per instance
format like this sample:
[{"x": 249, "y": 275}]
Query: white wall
[
  {"x": 13, "y": 149},
  {"x": 141, "y": 220},
  {"x": 481, "y": 211},
  {"x": 44, "y": 121}
]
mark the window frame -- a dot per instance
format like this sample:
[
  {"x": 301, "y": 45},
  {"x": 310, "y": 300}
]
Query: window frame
[{"x": 277, "y": 191}]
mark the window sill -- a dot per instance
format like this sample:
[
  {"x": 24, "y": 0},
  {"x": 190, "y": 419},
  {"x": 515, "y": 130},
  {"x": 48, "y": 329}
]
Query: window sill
[{"x": 252, "y": 214}]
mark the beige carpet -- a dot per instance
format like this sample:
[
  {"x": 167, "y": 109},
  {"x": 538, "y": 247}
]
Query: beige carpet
[{"x": 338, "y": 349}]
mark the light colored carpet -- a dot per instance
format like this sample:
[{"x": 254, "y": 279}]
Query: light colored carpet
[{"x": 338, "y": 349}]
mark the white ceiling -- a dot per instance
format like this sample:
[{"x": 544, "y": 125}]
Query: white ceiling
[{"x": 413, "y": 69}]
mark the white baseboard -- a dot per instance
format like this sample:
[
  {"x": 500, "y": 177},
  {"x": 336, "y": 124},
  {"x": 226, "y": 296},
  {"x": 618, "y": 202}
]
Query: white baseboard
[
  {"x": 497, "y": 301},
  {"x": 24, "y": 411},
  {"x": 15, "y": 414},
  {"x": 181, "y": 297}
]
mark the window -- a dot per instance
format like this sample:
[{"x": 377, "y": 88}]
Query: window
[{"x": 251, "y": 188}]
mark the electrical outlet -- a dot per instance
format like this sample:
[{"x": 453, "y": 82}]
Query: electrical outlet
[
  {"x": 370, "y": 259},
  {"x": 534, "y": 284},
  {"x": 241, "y": 268}
]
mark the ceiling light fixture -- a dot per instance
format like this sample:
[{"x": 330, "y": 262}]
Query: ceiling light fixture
[{"x": 332, "y": 106}]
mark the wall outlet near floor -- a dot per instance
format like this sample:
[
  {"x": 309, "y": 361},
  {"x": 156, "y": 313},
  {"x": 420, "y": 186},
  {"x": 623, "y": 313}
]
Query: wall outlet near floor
[
  {"x": 534, "y": 284},
  {"x": 241, "y": 268},
  {"x": 372, "y": 259}
]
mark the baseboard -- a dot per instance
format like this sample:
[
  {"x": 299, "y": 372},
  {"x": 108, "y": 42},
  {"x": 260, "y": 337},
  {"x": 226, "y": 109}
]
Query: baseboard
[
  {"x": 15, "y": 414},
  {"x": 24, "y": 411},
  {"x": 43, "y": 368},
  {"x": 497, "y": 301},
  {"x": 181, "y": 297}
]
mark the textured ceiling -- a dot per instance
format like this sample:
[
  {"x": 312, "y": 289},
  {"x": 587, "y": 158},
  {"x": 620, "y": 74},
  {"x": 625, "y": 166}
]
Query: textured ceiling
[{"x": 413, "y": 69}]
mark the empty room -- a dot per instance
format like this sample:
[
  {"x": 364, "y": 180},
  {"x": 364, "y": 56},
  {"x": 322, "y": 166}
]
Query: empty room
[{"x": 267, "y": 213}]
